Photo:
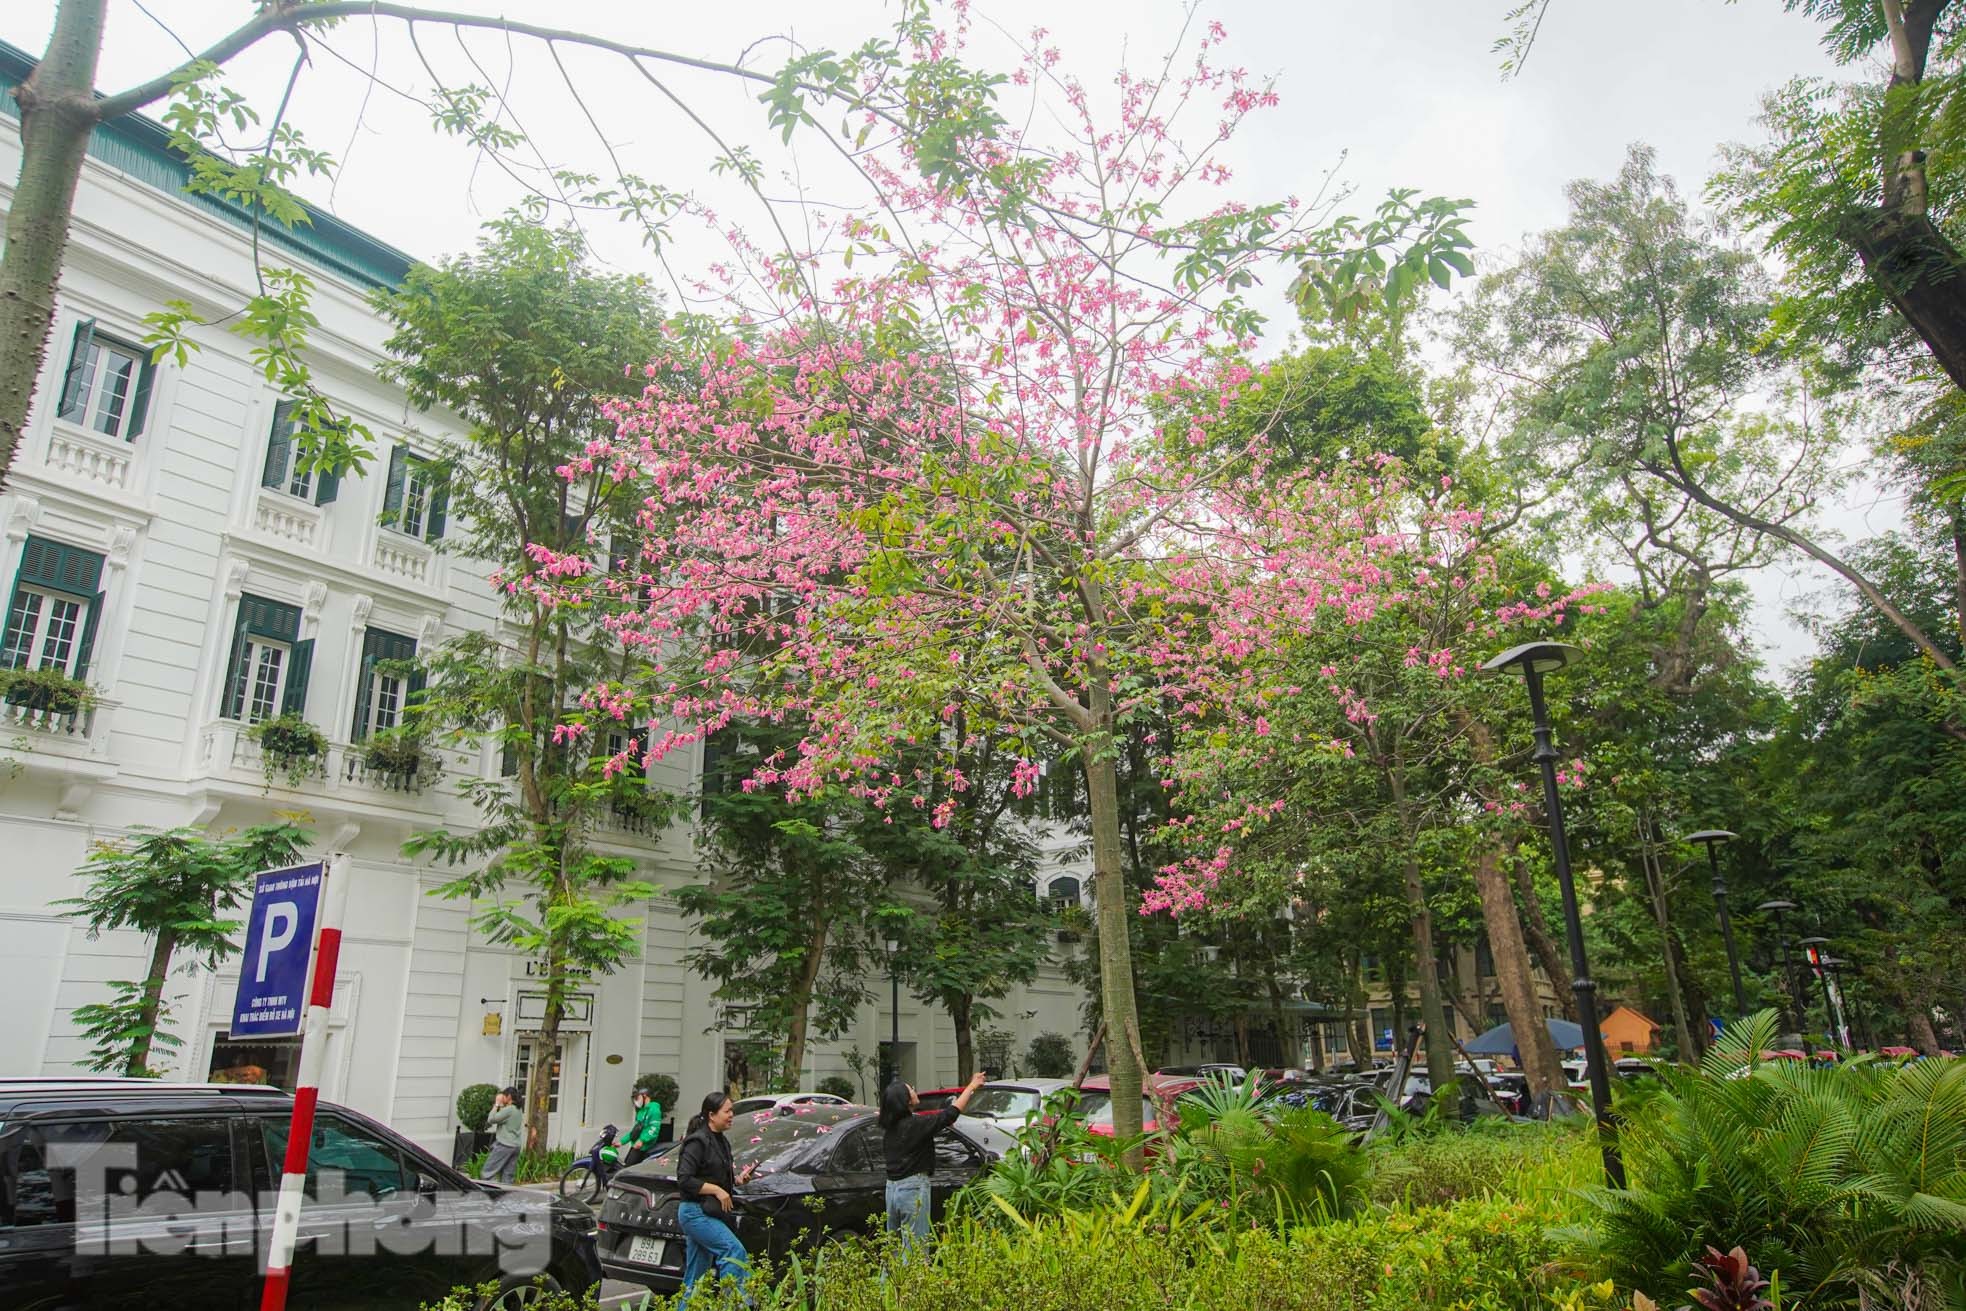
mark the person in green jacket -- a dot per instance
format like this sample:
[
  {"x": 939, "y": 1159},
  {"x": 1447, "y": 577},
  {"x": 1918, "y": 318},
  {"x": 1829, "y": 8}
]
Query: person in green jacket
[
  {"x": 508, "y": 1124},
  {"x": 648, "y": 1124}
]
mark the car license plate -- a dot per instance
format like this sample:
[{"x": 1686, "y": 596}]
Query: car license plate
[{"x": 655, "y": 1251}]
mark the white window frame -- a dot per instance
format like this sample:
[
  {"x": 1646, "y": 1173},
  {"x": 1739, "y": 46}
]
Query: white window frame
[
  {"x": 256, "y": 651},
  {"x": 95, "y": 405},
  {"x": 373, "y": 695},
  {"x": 29, "y": 650},
  {"x": 417, "y": 489}
]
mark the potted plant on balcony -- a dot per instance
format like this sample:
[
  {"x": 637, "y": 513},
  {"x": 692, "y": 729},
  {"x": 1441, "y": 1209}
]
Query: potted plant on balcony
[
  {"x": 47, "y": 690},
  {"x": 397, "y": 756},
  {"x": 290, "y": 747}
]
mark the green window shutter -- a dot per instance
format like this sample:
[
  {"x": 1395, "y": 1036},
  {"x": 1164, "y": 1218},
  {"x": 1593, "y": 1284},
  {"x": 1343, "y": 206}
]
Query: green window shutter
[
  {"x": 392, "y": 492},
  {"x": 295, "y": 700},
  {"x": 232, "y": 696},
  {"x": 140, "y": 402},
  {"x": 88, "y": 644},
  {"x": 78, "y": 355},
  {"x": 274, "y": 620},
  {"x": 60, "y": 567},
  {"x": 279, "y": 447},
  {"x": 360, "y": 732},
  {"x": 327, "y": 487},
  {"x": 440, "y": 504}
]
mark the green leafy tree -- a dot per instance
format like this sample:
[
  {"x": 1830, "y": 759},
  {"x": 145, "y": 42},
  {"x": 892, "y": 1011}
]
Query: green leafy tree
[
  {"x": 787, "y": 920},
  {"x": 524, "y": 342},
  {"x": 985, "y": 930},
  {"x": 178, "y": 887}
]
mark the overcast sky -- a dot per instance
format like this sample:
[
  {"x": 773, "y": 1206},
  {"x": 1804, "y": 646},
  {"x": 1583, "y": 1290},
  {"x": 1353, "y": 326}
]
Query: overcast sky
[{"x": 1400, "y": 92}]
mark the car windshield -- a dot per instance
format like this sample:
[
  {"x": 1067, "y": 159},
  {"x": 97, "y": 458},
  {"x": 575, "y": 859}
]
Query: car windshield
[
  {"x": 1003, "y": 1102},
  {"x": 776, "y": 1143},
  {"x": 1097, "y": 1107}
]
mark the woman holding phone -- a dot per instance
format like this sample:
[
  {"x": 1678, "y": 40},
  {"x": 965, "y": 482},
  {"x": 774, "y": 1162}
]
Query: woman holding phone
[{"x": 705, "y": 1179}]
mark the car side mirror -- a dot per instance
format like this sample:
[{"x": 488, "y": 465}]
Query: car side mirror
[{"x": 427, "y": 1186}]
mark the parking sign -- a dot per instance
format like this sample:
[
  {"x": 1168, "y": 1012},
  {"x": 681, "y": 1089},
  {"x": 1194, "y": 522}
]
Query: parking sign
[{"x": 272, "y": 996}]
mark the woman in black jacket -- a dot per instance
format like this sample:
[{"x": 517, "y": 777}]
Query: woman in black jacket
[
  {"x": 705, "y": 1180},
  {"x": 909, "y": 1137}
]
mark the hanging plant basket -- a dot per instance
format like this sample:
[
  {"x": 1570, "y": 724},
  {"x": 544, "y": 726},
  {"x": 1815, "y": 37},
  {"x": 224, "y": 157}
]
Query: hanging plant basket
[
  {"x": 290, "y": 748},
  {"x": 47, "y": 690},
  {"x": 399, "y": 758}
]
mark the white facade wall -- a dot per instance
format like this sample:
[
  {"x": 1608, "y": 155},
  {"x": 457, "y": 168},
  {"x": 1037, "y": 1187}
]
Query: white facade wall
[{"x": 185, "y": 529}]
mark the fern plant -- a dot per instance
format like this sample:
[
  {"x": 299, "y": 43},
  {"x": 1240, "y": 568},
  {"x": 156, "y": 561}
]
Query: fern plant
[{"x": 1828, "y": 1176}]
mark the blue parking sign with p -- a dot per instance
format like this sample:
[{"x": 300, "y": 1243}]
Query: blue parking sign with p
[{"x": 272, "y": 997}]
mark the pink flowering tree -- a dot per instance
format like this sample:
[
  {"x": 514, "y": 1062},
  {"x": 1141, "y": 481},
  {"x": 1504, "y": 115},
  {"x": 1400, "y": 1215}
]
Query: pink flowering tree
[
  {"x": 1373, "y": 751},
  {"x": 954, "y": 464}
]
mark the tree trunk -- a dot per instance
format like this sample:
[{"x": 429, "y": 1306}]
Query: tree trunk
[
  {"x": 57, "y": 114},
  {"x": 1923, "y": 1036},
  {"x": 1317, "y": 1044},
  {"x": 1358, "y": 1002},
  {"x": 1440, "y": 1042},
  {"x": 1513, "y": 979},
  {"x": 1655, "y": 887},
  {"x": 1538, "y": 930},
  {"x": 798, "y": 1028},
  {"x": 1116, "y": 999},
  {"x": 960, "y": 1009},
  {"x": 545, "y": 1051},
  {"x": 1920, "y": 273},
  {"x": 1959, "y": 575},
  {"x": 138, "y": 1066}
]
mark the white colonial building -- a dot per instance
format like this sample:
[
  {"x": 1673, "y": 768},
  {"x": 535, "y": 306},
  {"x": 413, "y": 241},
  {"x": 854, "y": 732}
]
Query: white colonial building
[{"x": 159, "y": 543}]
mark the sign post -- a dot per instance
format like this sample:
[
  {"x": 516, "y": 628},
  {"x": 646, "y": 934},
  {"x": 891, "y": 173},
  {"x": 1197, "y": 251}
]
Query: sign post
[{"x": 286, "y": 986}]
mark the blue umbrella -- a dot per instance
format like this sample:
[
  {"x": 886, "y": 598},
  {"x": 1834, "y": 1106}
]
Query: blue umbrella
[{"x": 1500, "y": 1040}]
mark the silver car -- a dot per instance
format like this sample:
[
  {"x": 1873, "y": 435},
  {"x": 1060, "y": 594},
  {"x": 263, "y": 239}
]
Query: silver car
[{"x": 1007, "y": 1103}]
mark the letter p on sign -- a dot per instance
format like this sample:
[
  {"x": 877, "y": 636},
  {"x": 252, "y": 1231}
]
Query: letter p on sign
[
  {"x": 282, "y": 918},
  {"x": 279, "y": 943}
]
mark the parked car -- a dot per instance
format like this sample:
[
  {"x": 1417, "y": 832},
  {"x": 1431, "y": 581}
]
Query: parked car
[
  {"x": 819, "y": 1174},
  {"x": 1009, "y": 1103},
  {"x": 784, "y": 1103},
  {"x": 134, "y": 1193},
  {"x": 1096, "y": 1100}
]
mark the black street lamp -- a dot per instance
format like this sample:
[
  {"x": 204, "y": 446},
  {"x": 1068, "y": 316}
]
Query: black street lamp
[
  {"x": 1711, "y": 838},
  {"x": 1533, "y": 660},
  {"x": 894, "y": 1012},
  {"x": 1814, "y": 953},
  {"x": 1779, "y": 909}
]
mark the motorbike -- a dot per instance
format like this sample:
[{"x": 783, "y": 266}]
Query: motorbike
[{"x": 587, "y": 1178}]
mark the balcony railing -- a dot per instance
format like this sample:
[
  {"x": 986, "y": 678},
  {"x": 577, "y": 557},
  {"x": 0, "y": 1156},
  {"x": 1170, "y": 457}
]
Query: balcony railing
[
  {"x": 80, "y": 731},
  {"x": 227, "y": 748}
]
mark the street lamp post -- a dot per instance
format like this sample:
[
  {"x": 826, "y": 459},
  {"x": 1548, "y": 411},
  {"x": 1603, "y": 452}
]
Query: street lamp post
[
  {"x": 1778, "y": 909},
  {"x": 1813, "y": 952},
  {"x": 1533, "y": 660},
  {"x": 894, "y": 1012},
  {"x": 1711, "y": 839}
]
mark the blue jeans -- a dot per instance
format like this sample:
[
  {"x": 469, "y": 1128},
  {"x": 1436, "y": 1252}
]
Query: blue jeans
[
  {"x": 907, "y": 1209},
  {"x": 709, "y": 1246}
]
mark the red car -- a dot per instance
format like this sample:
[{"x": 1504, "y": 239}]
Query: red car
[{"x": 1096, "y": 1103}]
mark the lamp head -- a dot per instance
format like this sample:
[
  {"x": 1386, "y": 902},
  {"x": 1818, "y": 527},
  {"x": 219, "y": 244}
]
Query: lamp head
[
  {"x": 1812, "y": 942},
  {"x": 1713, "y": 837},
  {"x": 893, "y": 947},
  {"x": 1776, "y": 906},
  {"x": 1532, "y": 657}
]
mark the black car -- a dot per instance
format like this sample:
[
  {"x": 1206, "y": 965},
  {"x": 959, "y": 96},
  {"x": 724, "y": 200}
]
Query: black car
[
  {"x": 821, "y": 1173},
  {"x": 122, "y": 1193}
]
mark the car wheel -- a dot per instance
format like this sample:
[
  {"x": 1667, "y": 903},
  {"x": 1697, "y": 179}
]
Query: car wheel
[{"x": 517, "y": 1291}]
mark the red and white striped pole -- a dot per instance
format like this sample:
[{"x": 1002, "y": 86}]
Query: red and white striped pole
[{"x": 313, "y": 1054}]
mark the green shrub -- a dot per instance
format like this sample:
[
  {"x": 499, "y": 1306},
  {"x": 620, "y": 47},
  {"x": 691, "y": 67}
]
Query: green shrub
[
  {"x": 838, "y": 1085},
  {"x": 1839, "y": 1182},
  {"x": 534, "y": 1167},
  {"x": 1438, "y": 1168},
  {"x": 474, "y": 1106},
  {"x": 1049, "y": 1057},
  {"x": 663, "y": 1089}
]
